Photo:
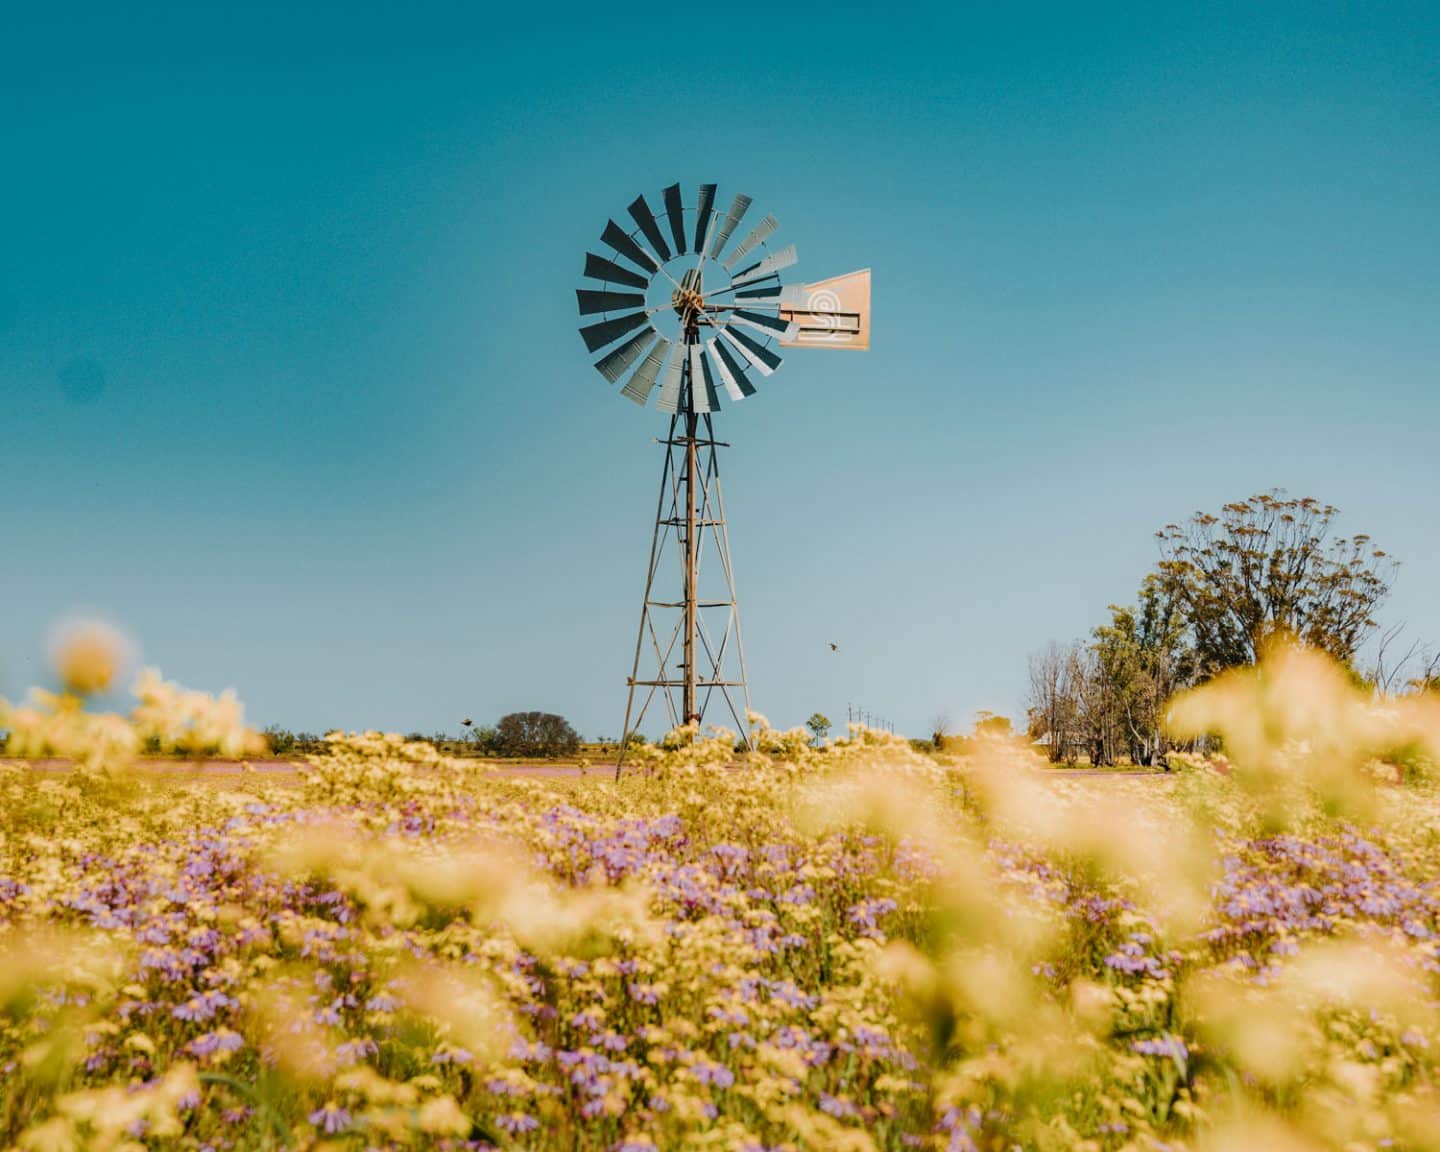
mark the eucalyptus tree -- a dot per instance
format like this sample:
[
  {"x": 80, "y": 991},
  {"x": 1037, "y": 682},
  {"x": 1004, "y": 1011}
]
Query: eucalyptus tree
[{"x": 1270, "y": 565}]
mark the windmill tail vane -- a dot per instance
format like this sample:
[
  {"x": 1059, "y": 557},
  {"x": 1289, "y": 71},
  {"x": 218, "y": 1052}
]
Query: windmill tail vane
[{"x": 690, "y": 307}]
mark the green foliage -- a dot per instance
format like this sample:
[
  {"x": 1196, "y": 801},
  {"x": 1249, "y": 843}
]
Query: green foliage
[
  {"x": 993, "y": 725},
  {"x": 1140, "y": 659},
  {"x": 819, "y": 725},
  {"x": 1266, "y": 566},
  {"x": 535, "y": 734},
  {"x": 988, "y": 729},
  {"x": 483, "y": 738},
  {"x": 281, "y": 740}
]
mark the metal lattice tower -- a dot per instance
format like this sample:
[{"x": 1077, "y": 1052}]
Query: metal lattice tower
[{"x": 689, "y": 516}]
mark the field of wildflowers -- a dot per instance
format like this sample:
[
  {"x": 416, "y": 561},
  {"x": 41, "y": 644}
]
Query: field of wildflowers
[{"x": 854, "y": 947}]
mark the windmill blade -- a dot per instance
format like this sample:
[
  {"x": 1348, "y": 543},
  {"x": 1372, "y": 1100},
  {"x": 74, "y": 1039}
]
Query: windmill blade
[
  {"x": 702, "y": 215},
  {"x": 641, "y": 214},
  {"x": 596, "y": 336},
  {"x": 764, "y": 229},
  {"x": 675, "y": 209},
  {"x": 592, "y": 301},
  {"x": 624, "y": 243},
  {"x": 764, "y": 360},
  {"x": 637, "y": 388},
  {"x": 731, "y": 374},
  {"x": 732, "y": 320},
  {"x": 702, "y": 392},
  {"x": 615, "y": 364},
  {"x": 753, "y": 289},
  {"x": 767, "y": 267},
  {"x": 787, "y": 296},
  {"x": 786, "y": 328},
  {"x": 710, "y": 390},
  {"x": 789, "y": 333},
  {"x": 674, "y": 376},
  {"x": 727, "y": 225},
  {"x": 599, "y": 268}
]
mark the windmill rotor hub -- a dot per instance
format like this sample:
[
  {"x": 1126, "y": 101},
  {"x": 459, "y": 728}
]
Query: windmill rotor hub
[{"x": 689, "y": 300}]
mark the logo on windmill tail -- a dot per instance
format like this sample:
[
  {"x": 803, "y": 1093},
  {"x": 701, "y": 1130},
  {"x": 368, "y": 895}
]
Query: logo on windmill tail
[{"x": 835, "y": 314}]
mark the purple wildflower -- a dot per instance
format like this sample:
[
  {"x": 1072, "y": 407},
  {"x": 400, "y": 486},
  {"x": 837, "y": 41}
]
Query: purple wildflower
[{"x": 331, "y": 1118}]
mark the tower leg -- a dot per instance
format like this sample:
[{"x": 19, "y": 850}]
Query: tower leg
[
  {"x": 691, "y": 568},
  {"x": 666, "y": 479},
  {"x": 742, "y": 721}
]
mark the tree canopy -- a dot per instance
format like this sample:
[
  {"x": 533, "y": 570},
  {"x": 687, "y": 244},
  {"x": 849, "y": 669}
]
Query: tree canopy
[
  {"x": 1269, "y": 565},
  {"x": 535, "y": 734}
]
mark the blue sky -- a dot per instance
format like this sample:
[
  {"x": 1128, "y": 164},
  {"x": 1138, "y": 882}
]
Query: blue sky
[{"x": 290, "y": 386}]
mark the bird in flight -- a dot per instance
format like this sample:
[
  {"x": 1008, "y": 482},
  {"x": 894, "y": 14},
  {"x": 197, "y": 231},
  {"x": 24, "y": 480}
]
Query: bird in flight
[{"x": 834, "y": 647}]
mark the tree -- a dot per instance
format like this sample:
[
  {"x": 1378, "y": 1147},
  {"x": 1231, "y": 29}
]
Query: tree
[
  {"x": 940, "y": 729},
  {"x": 1428, "y": 677},
  {"x": 1416, "y": 670},
  {"x": 819, "y": 725},
  {"x": 1053, "y": 706},
  {"x": 535, "y": 734},
  {"x": 1265, "y": 566},
  {"x": 485, "y": 739},
  {"x": 1143, "y": 657},
  {"x": 1095, "y": 705},
  {"x": 990, "y": 724}
]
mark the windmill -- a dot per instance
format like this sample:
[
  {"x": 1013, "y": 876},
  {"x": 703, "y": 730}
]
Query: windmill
[{"x": 682, "y": 309}]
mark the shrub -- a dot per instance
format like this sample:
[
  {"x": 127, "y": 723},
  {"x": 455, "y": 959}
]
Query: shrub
[{"x": 535, "y": 734}]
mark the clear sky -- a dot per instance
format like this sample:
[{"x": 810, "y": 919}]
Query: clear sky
[{"x": 290, "y": 386}]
